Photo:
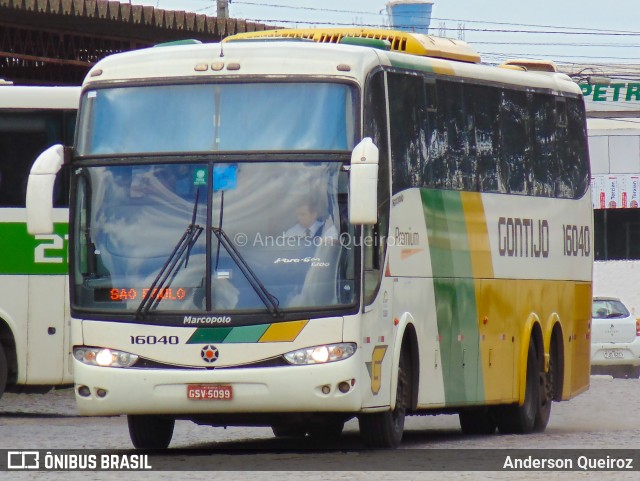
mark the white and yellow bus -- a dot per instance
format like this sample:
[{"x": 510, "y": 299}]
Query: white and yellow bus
[
  {"x": 34, "y": 304},
  {"x": 292, "y": 233}
]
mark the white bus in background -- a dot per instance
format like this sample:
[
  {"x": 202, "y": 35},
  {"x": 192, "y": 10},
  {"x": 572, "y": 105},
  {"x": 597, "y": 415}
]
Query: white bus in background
[
  {"x": 34, "y": 308},
  {"x": 614, "y": 145}
]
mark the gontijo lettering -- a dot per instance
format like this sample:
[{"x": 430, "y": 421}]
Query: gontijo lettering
[{"x": 519, "y": 237}]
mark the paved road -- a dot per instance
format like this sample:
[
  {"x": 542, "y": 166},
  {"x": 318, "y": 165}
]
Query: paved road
[{"x": 607, "y": 416}]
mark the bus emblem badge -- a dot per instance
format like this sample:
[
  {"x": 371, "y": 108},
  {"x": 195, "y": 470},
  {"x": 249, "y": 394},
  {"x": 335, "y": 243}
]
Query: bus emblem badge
[{"x": 209, "y": 353}]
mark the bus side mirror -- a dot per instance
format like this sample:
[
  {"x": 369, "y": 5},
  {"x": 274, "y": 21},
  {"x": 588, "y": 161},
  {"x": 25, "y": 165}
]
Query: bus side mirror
[
  {"x": 363, "y": 184},
  {"x": 40, "y": 190}
]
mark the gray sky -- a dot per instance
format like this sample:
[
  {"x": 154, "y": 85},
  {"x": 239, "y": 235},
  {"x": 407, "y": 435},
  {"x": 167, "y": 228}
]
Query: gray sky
[{"x": 585, "y": 32}]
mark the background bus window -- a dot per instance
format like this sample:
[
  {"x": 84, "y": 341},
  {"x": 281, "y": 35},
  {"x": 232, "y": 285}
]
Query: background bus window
[{"x": 23, "y": 136}]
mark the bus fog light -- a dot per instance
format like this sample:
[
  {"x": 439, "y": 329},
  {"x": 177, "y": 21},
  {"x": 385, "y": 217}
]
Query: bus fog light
[
  {"x": 326, "y": 389},
  {"x": 84, "y": 391},
  {"x": 101, "y": 392},
  {"x": 344, "y": 387},
  {"x": 321, "y": 354},
  {"x": 96, "y": 356}
]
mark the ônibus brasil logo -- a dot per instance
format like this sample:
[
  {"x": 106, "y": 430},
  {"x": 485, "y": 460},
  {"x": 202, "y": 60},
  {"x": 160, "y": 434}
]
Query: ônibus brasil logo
[{"x": 209, "y": 353}]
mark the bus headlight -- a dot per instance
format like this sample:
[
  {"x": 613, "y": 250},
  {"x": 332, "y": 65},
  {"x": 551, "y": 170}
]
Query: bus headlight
[
  {"x": 99, "y": 356},
  {"x": 321, "y": 354}
]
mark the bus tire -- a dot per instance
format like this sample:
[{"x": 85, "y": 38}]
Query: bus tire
[
  {"x": 150, "y": 431},
  {"x": 516, "y": 419},
  {"x": 384, "y": 429},
  {"x": 477, "y": 421},
  {"x": 4, "y": 370},
  {"x": 547, "y": 389}
]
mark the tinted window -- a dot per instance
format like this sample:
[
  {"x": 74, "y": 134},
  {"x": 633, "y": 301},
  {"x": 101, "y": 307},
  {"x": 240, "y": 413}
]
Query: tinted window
[
  {"x": 409, "y": 135},
  {"x": 514, "y": 166},
  {"x": 23, "y": 136},
  {"x": 483, "y": 138}
]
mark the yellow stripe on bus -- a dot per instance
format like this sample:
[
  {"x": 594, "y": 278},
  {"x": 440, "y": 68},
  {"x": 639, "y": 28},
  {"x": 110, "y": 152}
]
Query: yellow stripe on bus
[
  {"x": 478, "y": 235},
  {"x": 283, "y": 331}
]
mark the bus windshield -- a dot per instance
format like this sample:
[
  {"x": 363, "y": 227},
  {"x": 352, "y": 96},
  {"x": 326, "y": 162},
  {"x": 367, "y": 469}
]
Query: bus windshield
[
  {"x": 217, "y": 117},
  {"x": 212, "y": 237}
]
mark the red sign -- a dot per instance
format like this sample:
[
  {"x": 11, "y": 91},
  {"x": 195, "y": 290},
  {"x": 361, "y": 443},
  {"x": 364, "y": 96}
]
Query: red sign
[{"x": 121, "y": 294}]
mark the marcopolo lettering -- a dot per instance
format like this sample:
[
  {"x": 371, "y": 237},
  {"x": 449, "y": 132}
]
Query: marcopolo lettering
[
  {"x": 520, "y": 237},
  {"x": 206, "y": 320}
]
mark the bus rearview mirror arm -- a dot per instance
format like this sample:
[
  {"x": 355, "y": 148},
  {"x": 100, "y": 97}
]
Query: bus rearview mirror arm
[
  {"x": 363, "y": 183},
  {"x": 39, "y": 199}
]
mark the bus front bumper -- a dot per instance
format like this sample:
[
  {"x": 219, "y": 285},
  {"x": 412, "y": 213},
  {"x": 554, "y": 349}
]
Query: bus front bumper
[{"x": 315, "y": 388}]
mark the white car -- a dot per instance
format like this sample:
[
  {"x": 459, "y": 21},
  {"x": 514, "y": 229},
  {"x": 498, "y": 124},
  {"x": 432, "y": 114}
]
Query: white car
[{"x": 615, "y": 339}]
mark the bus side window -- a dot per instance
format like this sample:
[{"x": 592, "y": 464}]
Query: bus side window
[
  {"x": 374, "y": 237},
  {"x": 514, "y": 164},
  {"x": 23, "y": 136},
  {"x": 408, "y": 129}
]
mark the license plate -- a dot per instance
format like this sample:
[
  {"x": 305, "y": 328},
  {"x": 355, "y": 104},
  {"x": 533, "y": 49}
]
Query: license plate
[
  {"x": 209, "y": 392},
  {"x": 613, "y": 354}
]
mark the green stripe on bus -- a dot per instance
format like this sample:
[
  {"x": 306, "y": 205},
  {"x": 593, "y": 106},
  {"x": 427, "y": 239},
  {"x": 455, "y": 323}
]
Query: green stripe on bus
[
  {"x": 454, "y": 290},
  {"x": 24, "y": 254},
  {"x": 247, "y": 333},
  {"x": 204, "y": 335}
]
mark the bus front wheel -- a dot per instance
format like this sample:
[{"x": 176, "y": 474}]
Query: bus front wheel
[
  {"x": 384, "y": 429},
  {"x": 150, "y": 431}
]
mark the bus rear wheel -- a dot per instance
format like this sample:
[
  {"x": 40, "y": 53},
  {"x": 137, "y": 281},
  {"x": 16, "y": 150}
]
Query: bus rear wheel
[
  {"x": 384, "y": 429},
  {"x": 150, "y": 431},
  {"x": 547, "y": 391},
  {"x": 515, "y": 419}
]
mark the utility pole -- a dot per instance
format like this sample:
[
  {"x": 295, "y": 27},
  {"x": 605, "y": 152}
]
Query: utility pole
[{"x": 223, "y": 8}]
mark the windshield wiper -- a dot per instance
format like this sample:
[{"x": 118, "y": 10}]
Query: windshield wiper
[
  {"x": 270, "y": 301},
  {"x": 171, "y": 266}
]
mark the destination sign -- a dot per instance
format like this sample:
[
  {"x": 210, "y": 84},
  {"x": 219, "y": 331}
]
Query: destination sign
[{"x": 123, "y": 294}]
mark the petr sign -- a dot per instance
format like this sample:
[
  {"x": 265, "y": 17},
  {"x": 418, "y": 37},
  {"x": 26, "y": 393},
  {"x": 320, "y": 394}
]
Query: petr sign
[
  {"x": 614, "y": 92},
  {"x": 618, "y": 98}
]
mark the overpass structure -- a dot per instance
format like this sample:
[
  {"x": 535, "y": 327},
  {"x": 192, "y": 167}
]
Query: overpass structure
[{"x": 56, "y": 41}]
